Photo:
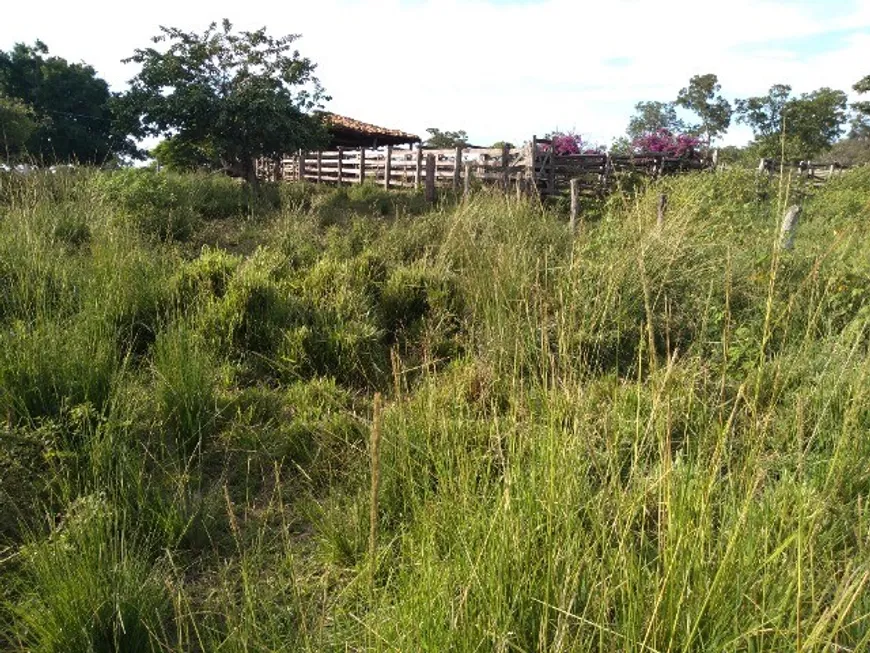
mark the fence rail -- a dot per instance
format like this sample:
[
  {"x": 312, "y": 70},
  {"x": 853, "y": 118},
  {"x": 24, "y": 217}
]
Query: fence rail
[{"x": 535, "y": 166}]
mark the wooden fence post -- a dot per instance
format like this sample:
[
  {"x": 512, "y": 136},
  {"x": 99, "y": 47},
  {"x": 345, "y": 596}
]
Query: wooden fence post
[
  {"x": 340, "y": 165},
  {"x": 457, "y": 168},
  {"x": 663, "y": 205},
  {"x": 301, "y": 165},
  {"x": 789, "y": 227},
  {"x": 505, "y": 161},
  {"x": 605, "y": 175},
  {"x": 430, "y": 178},
  {"x": 388, "y": 167},
  {"x": 362, "y": 165},
  {"x": 466, "y": 190},
  {"x": 418, "y": 170},
  {"x": 319, "y": 166},
  {"x": 551, "y": 173},
  {"x": 534, "y": 160},
  {"x": 575, "y": 203}
]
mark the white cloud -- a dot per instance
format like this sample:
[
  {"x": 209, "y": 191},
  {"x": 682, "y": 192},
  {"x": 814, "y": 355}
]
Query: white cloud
[{"x": 497, "y": 70}]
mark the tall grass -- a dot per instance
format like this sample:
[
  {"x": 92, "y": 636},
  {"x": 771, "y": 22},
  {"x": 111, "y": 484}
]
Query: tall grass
[{"x": 643, "y": 438}]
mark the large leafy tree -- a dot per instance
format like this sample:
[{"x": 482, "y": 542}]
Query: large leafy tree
[
  {"x": 702, "y": 96},
  {"x": 72, "y": 107},
  {"x": 17, "y": 124},
  {"x": 803, "y": 126},
  {"x": 239, "y": 95},
  {"x": 653, "y": 117},
  {"x": 443, "y": 140}
]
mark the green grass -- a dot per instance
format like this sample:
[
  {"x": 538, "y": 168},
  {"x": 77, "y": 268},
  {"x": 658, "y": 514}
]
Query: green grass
[{"x": 638, "y": 438}]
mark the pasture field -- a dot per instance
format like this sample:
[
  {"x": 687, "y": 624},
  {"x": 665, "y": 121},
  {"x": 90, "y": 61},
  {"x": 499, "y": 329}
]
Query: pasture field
[{"x": 637, "y": 438}]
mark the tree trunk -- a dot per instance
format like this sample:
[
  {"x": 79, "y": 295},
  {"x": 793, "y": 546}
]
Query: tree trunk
[{"x": 250, "y": 173}]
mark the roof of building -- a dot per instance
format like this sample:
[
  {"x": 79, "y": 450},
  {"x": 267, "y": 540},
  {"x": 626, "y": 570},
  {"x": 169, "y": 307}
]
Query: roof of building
[{"x": 355, "y": 133}]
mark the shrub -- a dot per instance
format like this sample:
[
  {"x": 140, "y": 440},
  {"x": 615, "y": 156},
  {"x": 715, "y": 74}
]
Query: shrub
[
  {"x": 157, "y": 205},
  {"x": 167, "y": 205},
  {"x": 666, "y": 142}
]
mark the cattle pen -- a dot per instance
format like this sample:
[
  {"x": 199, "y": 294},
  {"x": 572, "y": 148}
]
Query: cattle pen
[{"x": 533, "y": 167}]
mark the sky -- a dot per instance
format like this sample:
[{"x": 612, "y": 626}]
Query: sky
[{"x": 499, "y": 69}]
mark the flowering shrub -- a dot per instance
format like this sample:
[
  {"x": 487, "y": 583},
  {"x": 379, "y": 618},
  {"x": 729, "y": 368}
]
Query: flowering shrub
[
  {"x": 567, "y": 143},
  {"x": 665, "y": 142}
]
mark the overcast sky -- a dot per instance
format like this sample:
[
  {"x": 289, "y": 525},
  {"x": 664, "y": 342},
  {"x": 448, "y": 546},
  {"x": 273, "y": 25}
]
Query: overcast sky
[{"x": 500, "y": 69}]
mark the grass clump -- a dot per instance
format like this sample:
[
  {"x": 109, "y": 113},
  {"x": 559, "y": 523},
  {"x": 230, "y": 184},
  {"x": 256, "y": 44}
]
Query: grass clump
[
  {"x": 185, "y": 380},
  {"x": 89, "y": 587}
]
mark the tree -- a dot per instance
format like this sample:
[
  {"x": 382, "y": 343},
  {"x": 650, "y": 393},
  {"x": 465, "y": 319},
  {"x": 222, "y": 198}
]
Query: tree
[
  {"x": 852, "y": 151},
  {"x": 764, "y": 113},
  {"x": 651, "y": 117},
  {"x": 245, "y": 95},
  {"x": 803, "y": 126},
  {"x": 702, "y": 97},
  {"x": 71, "y": 106},
  {"x": 17, "y": 124},
  {"x": 862, "y": 86},
  {"x": 183, "y": 156},
  {"x": 861, "y": 120},
  {"x": 444, "y": 140}
]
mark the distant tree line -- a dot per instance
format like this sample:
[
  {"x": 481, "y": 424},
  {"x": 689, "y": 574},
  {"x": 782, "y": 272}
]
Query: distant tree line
[
  {"x": 221, "y": 98},
  {"x": 783, "y": 125}
]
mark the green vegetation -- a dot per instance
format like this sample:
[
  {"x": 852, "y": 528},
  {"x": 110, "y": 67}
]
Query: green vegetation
[
  {"x": 225, "y": 97},
  {"x": 639, "y": 438},
  {"x": 57, "y": 112}
]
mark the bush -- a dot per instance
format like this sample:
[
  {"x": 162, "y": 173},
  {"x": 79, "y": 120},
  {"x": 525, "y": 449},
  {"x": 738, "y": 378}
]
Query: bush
[
  {"x": 167, "y": 205},
  {"x": 157, "y": 205}
]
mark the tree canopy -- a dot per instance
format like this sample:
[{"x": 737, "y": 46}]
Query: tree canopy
[
  {"x": 702, "y": 96},
  {"x": 69, "y": 110},
  {"x": 442, "y": 140},
  {"x": 860, "y": 127},
  {"x": 237, "y": 95},
  {"x": 17, "y": 124},
  {"x": 801, "y": 126},
  {"x": 653, "y": 117}
]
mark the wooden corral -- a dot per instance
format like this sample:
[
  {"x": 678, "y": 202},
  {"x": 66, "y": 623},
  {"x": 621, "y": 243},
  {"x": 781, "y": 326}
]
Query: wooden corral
[{"x": 534, "y": 166}]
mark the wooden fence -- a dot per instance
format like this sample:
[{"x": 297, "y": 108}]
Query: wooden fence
[
  {"x": 806, "y": 171},
  {"x": 534, "y": 166}
]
